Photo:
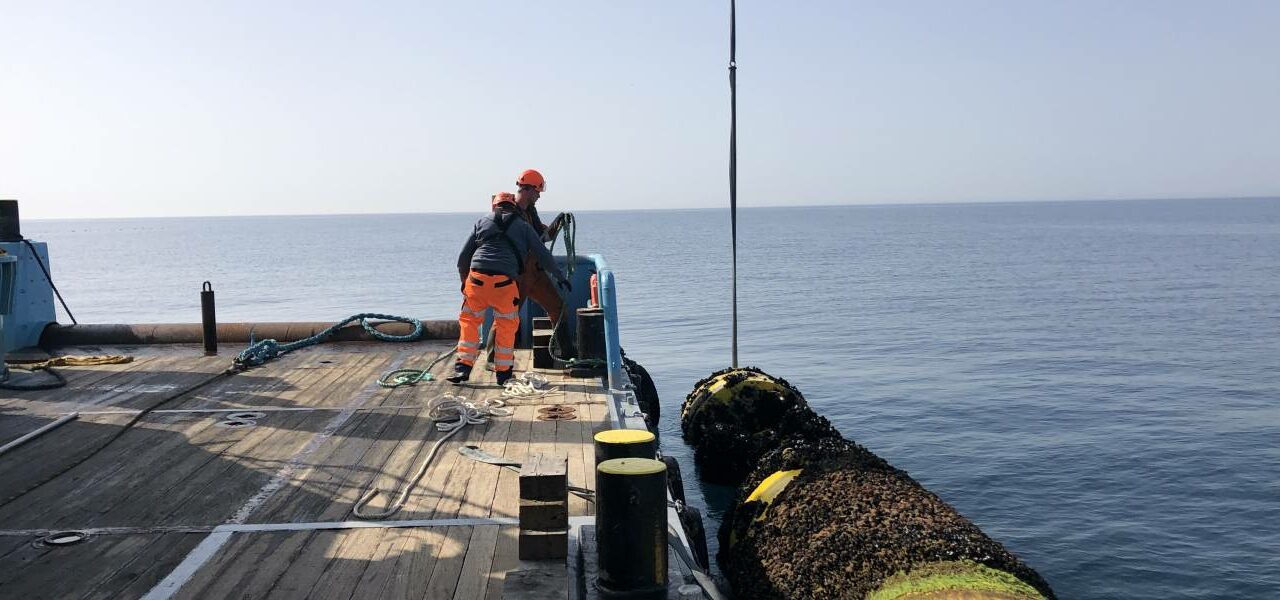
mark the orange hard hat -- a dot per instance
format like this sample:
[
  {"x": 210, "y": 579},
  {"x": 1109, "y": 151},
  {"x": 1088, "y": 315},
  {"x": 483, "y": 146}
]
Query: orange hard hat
[
  {"x": 502, "y": 197},
  {"x": 533, "y": 178}
]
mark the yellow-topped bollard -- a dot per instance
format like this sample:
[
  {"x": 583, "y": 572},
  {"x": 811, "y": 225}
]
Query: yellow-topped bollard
[
  {"x": 625, "y": 443},
  {"x": 631, "y": 528}
]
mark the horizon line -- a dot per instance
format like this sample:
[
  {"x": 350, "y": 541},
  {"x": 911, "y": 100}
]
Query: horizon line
[{"x": 685, "y": 208}]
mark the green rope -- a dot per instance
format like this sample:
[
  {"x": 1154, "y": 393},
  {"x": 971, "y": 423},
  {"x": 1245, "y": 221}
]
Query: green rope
[
  {"x": 569, "y": 226},
  {"x": 403, "y": 377}
]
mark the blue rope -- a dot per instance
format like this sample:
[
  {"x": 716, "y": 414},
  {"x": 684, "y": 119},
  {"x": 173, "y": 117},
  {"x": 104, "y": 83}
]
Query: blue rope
[{"x": 259, "y": 353}]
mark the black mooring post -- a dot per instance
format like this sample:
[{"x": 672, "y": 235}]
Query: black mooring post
[
  {"x": 10, "y": 225},
  {"x": 209, "y": 320},
  {"x": 631, "y": 529}
]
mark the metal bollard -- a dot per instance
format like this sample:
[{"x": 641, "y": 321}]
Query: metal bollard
[
  {"x": 590, "y": 340},
  {"x": 209, "y": 320},
  {"x": 10, "y": 224},
  {"x": 625, "y": 443},
  {"x": 631, "y": 528}
]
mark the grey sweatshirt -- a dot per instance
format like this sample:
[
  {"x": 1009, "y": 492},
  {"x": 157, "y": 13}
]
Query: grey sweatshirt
[{"x": 486, "y": 251}]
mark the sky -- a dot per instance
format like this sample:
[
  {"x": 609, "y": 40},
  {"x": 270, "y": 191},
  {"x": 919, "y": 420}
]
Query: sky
[{"x": 173, "y": 108}]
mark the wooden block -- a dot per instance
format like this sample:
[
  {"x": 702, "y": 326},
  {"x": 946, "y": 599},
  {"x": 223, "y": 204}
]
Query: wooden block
[
  {"x": 542, "y": 337},
  {"x": 536, "y": 584},
  {"x": 545, "y": 477},
  {"x": 543, "y": 545},
  {"x": 543, "y": 515},
  {"x": 541, "y": 323}
]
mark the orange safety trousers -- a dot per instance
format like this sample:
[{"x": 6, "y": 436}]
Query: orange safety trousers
[{"x": 483, "y": 291}]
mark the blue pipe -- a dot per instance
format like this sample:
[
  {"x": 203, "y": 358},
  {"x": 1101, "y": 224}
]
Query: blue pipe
[{"x": 612, "y": 343}]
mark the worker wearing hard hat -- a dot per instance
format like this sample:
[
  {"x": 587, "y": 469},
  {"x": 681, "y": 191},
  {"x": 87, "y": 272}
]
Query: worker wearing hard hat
[
  {"x": 534, "y": 283},
  {"x": 490, "y": 265}
]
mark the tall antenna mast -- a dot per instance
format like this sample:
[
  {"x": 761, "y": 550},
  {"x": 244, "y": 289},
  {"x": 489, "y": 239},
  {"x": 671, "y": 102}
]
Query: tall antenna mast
[{"x": 733, "y": 163}]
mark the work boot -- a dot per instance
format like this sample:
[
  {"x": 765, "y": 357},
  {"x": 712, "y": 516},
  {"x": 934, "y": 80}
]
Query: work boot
[
  {"x": 504, "y": 377},
  {"x": 461, "y": 373}
]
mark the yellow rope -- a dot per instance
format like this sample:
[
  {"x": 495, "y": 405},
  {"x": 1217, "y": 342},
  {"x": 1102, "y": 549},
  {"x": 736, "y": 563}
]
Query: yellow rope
[{"x": 75, "y": 361}]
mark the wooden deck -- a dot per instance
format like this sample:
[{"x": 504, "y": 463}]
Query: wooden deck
[{"x": 178, "y": 506}]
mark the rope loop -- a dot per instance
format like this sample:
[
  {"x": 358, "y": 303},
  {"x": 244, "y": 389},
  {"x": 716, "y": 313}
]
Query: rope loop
[
  {"x": 451, "y": 414},
  {"x": 261, "y": 352}
]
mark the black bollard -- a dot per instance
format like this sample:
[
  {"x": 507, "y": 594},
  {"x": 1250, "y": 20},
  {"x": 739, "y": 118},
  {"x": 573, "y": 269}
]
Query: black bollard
[
  {"x": 10, "y": 225},
  {"x": 631, "y": 528},
  {"x": 625, "y": 443},
  {"x": 591, "y": 343},
  {"x": 209, "y": 320}
]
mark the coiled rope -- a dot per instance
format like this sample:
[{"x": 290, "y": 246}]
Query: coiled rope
[
  {"x": 402, "y": 377},
  {"x": 451, "y": 415},
  {"x": 529, "y": 385},
  {"x": 259, "y": 353}
]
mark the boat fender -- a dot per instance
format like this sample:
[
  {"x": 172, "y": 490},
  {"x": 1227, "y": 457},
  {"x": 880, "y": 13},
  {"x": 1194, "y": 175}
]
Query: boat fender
[
  {"x": 674, "y": 480},
  {"x": 646, "y": 392},
  {"x": 691, "y": 522}
]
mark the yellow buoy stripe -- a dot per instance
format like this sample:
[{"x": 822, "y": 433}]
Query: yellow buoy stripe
[
  {"x": 631, "y": 466},
  {"x": 624, "y": 436},
  {"x": 720, "y": 390},
  {"x": 772, "y": 486}
]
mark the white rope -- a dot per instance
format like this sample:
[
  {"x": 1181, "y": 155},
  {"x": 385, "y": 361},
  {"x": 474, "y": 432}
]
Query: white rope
[
  {"x": 529, "y": 385},
  {"x": 451, "y": 414}
]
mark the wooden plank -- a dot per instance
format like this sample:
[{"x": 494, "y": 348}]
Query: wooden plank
[
  {"x": 380, "y": 572},
  {"x": 544, "y": 476},
  {"x": 507, "y": 494},
  {"x": 505, "y": 558},
  {"x": 137, "y": 576},
  {"x": 473, "y": 580},
  {"x": 348, "y": 560},
  {"x": 92, "y": 561},
  {"x": 169, "y": 469},
  {"x": 449, "y": 561},
  {"x": 230, "y": 473},
  {"x": 543, "y": 545},
  {"x": 483, "y": 484},
  {"x": 336, "y": 468},
  {"x": 569, "y": 443},
  {"x": 419, "y": 551},
  {"x": 300, "y": 577}
]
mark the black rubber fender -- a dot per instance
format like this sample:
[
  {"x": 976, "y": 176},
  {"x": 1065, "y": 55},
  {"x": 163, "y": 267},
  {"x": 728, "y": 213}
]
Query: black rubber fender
[
  {"x": 674, "y": 480},
  {"x": 691, "y": 522},
  {"x": 646, "y": 392}
]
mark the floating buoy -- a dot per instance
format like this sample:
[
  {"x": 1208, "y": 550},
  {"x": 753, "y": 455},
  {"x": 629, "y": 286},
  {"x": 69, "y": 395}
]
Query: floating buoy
[
  {"x": 817, "y": 515},
  {"x": 735, "y": 416}
]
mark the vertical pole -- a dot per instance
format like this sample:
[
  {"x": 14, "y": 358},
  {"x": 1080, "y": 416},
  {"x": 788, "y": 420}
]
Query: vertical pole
[
  {"x": 209, "y": 320},
  {"x": 733, "y": 162}
]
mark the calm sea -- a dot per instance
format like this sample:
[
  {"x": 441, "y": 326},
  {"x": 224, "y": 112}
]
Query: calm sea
[{"x": 1096, "y": 384}]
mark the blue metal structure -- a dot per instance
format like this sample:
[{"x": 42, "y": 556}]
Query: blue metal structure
[{"x": 33, "y": 307}]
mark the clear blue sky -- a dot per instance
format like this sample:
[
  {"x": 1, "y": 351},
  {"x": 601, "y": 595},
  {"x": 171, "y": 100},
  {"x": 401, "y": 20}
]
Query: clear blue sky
[{"x": 236, "y": 107}]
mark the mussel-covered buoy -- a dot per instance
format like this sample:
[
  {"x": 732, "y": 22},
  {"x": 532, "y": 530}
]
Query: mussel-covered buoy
[
  {"x": 828, "y": 518},
  {"x": 735, "y": 416},
  {"x": 818, "y": 516}
]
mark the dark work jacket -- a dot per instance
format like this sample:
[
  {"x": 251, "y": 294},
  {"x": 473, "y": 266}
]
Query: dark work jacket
[{"x": 486, "y": 250}]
